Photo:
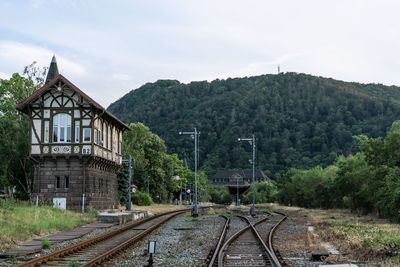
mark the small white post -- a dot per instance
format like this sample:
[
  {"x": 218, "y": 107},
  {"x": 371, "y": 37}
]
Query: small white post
[
  {"x": 37, "y": 201},
  {"x": 83, "y": 203}
]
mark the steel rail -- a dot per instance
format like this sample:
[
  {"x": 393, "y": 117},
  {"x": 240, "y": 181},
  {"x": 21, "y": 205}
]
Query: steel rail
[
  {"x": 91, "y": 242},
  {"x": 271, "y": 235},
  {"x": 108, "y": 255},
  {"x": 234, "y": 237},
  {"x": 269, "y": 249},
  {"x": 220, "y": 240}
]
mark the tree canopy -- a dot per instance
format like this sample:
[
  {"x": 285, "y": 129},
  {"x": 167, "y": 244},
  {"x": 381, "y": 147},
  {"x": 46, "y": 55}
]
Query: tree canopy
[
  {"x": 368, "y": 181},
  {"x": 15, "y": 166},
  {"x": 162, "y": 173}
]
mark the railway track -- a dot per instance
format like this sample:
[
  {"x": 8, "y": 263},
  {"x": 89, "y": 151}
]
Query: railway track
[
  {"x": 214, "y": 252},
  {"x": 98, "y": 250},
  {"x": 246, "y": 247}
]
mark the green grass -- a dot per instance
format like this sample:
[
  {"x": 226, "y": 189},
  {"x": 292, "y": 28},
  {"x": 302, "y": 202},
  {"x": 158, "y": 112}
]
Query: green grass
[{"x": 19, "y": 222}]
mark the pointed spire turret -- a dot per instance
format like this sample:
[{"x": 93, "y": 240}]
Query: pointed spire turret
[{"x": 53, "y": 70}]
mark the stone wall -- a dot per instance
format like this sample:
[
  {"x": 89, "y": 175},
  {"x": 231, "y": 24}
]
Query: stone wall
[
  {"x": 101, "y": 185},
  {"x": 101, "y": 188}
]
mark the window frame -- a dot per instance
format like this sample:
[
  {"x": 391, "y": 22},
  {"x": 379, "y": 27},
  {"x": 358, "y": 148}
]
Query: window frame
[
  {"x": 84, "y": 135},
  {"x": 46, "y": 137},
  {"x": 62, "y": 123},
  {"x": 77, "y": 131}
]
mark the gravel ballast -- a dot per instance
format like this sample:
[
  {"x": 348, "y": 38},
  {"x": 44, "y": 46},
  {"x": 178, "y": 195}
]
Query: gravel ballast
[{"x": 183, "y": 241}]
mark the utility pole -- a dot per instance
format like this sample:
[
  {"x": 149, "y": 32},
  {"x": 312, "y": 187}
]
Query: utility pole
[
  {"x": 195, "y": 136},
  {"x": 252, "y": 142}
]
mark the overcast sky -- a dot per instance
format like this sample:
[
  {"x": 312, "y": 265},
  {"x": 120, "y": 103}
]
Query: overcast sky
[{"x": 107, "y": 48}]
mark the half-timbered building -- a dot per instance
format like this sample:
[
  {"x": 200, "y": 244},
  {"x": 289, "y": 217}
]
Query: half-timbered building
[{"x": 75, "y": 146}]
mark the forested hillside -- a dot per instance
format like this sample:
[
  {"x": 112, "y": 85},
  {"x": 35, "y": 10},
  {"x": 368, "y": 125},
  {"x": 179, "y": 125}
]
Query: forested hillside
[{"x": 299, "y": 120}]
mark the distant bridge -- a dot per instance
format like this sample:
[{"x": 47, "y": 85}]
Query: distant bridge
[{"x": 237, "y": 179}]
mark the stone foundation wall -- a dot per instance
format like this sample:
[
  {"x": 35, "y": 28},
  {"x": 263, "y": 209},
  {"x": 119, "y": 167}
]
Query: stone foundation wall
[
  {"x": 101, "y": 185},
  {"x": 101, "y": 189}
]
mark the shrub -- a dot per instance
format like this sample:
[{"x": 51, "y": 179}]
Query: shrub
[
  {"x": 226, "y": 198},
  {"x": 141, "y": 199},
  {"x": 220, "y": 196},
  {"x": 265, "y": 193}
]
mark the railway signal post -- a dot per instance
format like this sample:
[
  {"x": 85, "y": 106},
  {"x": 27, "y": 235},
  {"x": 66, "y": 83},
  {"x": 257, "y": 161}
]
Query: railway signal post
[
  {"x": 130, "y": 168},
  {"x": 252, "y": 142},
  {"x": 195, "y": 136}
]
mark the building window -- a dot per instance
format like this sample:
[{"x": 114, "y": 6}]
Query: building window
[
  {"x": 55, "y": 129},
  {"x": 101, "y": 134},
  {"x": 66, "y": 181},
  {"x": 77, "y": 131},
  {"x": 109, "y": 137},
  {"x": 105, "y": 135},
  {"x": 46, "y": 132},
  {"x": 62, "y": 128},
  {"x": 58, "y": 182},
  {"x": 87, "y": 133},
  {"x": 95, "y": 137}
]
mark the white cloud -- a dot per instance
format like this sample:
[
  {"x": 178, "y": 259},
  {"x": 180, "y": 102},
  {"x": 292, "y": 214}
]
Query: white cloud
[
  {"x": 4, "y": 75},
  {"x": 18, "y": 55}
]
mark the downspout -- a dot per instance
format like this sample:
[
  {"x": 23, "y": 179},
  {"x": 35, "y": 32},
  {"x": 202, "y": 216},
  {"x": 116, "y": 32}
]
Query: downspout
[{"x": 84, "y": 182}]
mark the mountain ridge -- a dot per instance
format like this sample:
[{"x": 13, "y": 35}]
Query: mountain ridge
[{"x": 307, "y": 120}]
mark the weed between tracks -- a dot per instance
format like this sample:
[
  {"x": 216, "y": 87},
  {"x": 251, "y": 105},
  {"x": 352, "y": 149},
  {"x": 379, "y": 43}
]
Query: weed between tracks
[
  {"x": 46, "y": 243},
  {"x": 73, "y": 263}
]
